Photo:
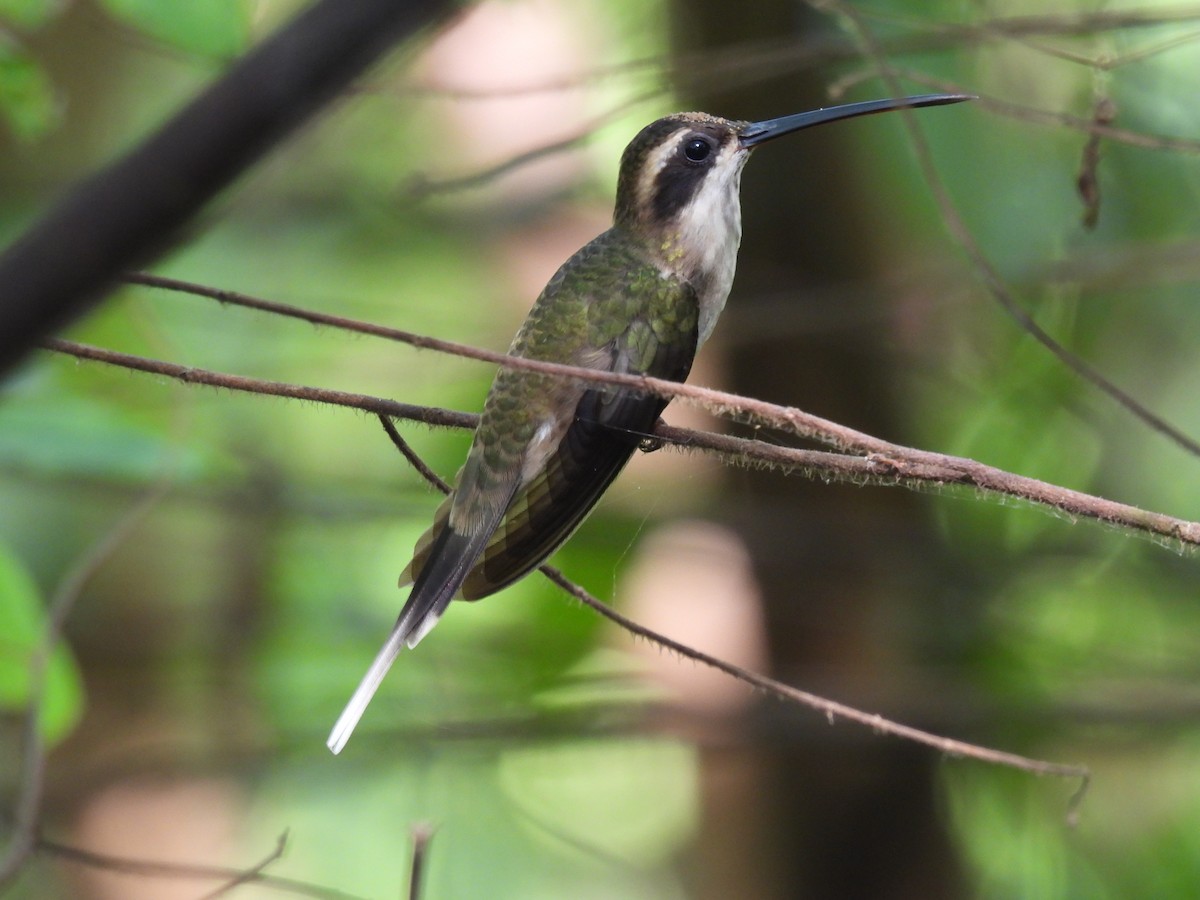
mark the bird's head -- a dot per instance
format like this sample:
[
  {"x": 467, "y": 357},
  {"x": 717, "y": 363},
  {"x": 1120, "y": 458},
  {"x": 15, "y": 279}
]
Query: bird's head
[
  {"x": 680, "y": 175},
  {"x": 677, "y": 191}
]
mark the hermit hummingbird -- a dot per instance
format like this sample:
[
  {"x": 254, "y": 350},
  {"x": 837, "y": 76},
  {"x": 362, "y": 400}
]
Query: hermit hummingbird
[{"x": 640, "y": 299}]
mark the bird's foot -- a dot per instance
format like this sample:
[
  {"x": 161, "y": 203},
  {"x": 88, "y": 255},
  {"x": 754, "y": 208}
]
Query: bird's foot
[{"x": 650, "y": 443}]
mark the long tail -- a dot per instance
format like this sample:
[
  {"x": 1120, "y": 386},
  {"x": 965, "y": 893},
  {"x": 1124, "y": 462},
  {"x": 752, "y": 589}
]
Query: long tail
[{"x": 451, "y": 558}]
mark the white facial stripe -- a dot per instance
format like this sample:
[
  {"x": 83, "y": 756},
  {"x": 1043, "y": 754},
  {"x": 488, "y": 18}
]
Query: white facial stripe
[
  {"x": 710, "y": 230},
  {"x": 701, "y": 241},
  {"x": 654, "y": 164}
]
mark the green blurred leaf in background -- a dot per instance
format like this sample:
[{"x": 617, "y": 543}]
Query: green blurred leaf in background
[
  {"x": 217, "y": 28},
  {"x": 28, "y": 14},
  {"x": 27, "y": 103},
  {"x": 23, "y": 626}
]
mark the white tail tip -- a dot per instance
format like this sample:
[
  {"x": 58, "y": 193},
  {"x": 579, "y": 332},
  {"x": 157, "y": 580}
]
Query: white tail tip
[
  {"x": 348, "y": 720},
  {"x": 403, "y": 633}
]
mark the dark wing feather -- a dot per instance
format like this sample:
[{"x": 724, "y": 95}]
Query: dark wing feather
[
  {"x": 607, "y": 427},
  {"x": 609, "y": 307}
]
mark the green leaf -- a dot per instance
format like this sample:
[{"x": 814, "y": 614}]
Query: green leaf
[
  {"x": 28, "y": 14},
  {"x": 26, "y": 96},
  {"x": 208, "y": 27},
  {"x": 22, "y": 627}
]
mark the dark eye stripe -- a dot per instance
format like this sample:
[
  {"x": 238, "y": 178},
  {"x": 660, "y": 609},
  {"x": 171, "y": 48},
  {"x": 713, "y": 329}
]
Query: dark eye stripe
[
  {"x": 681, "y": 176},
  {"x": 677, "y": 183}
]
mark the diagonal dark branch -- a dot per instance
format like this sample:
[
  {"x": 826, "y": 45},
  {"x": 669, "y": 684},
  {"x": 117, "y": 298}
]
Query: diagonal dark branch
[{"x": 127, "y": 213}]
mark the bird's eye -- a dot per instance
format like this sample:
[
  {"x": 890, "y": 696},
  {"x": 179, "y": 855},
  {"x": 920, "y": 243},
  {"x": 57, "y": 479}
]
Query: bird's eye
[{"x": 697, "y": 149}]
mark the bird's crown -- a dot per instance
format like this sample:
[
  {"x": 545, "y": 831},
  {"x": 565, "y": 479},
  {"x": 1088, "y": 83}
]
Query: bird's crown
[{"x": 664, "y": 166}]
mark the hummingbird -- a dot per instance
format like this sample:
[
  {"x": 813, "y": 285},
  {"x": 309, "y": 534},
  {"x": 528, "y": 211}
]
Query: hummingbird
[{"x": 640, "y": 299}]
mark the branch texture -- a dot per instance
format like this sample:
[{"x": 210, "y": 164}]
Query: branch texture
[
  {"x": 861, "y": 457},
  {"x": 831, "y": 709}
]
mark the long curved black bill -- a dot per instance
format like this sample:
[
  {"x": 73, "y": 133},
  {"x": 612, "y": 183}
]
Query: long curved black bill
[{"x": 758, "y": 132}]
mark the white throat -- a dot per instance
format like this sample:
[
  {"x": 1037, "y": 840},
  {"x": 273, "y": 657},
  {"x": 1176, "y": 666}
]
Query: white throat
[{"x": 709, "y": 231}]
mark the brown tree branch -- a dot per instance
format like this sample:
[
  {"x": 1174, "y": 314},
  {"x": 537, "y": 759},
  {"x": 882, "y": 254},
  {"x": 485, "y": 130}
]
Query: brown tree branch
[
  {"x": 190, "y": 375},
  {"x": 830, "y": 708},
  {"x": 253, "y": 873},
  {"x": 863, "y": 457},
  {"x": 414, "y": 460},
  {"x": 883, "y": 462},
  {"x": 898, "y": 464}
]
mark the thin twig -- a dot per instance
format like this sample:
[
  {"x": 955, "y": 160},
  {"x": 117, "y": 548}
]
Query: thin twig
[
  {"x": 1025, "y": 113},
  {"x": 423, "y": 342},
  {"x": 253, "y": 873},
  {"x": 411, "y": 455},
  {"x": 831, "y": 708},
  {"x": 420, "y": 186},
  {"x": 422, "y": 834},
  {"x": 144, "y": 868},
  {"x": 986, "y": 272},
  {"x": 190, "y": 375}
]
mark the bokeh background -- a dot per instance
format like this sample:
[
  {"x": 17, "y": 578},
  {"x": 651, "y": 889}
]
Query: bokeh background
[{"x": 216, "y": 639}]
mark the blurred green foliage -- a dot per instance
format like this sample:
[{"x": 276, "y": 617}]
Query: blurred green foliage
[
  {"x": 23, "y": 630},
  {"x": 232, "y": 626},
  {"x": 26, "y": 99},
  {"x": 255, "y": 595},
  {"x": 218, "y": 28},
  {"x": 28, "y": 13}
]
